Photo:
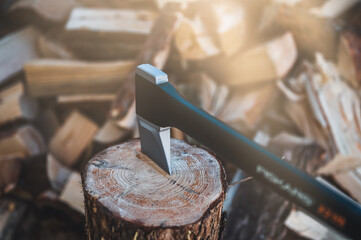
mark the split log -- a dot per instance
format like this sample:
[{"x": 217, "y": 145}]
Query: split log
[
  {"x": 57, "y": 173},
  {"x": 60, "y": 77},
  {"x": 193, "y": 42},
  {"x": 15, "y": 147},
  {"x": 15, "y": 105},
  {"x": 309, "y": 228},
  {"x": 16, "y": 49},
  {"x": 219, "y": 27},
  {"x": 24, "y": 142},
  {"x": 107, "y": 34},
  {"x": 107, "y": 21},
  {"x": 48, "y": 10},
  {"x": 155, "y": 52},
  {"x": 248, "y": 107},
  {"x": 128, "y": 196},
  {"x": 269, "y": 61},
  {"x": 340, "y": 117},
  {"x": 50, "y": 48},
  {"x": 95, "y": 106},
  {"x": 109, "y": 134},
  {"x": 312, "y": 34},
  {"x": 349, "y": 57},
  {"x": 72, "y": 138},
  {"x": 72, "y": 193},
  {"x": 333, "y": 8}
]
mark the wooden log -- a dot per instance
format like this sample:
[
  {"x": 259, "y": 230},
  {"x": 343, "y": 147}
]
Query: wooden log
[
  {"x": 127, "y": 196},
  {"x": 15, "y": 105},
  {"x": 121, "y": 21},
  {"x": 214, "y": 28},
  {"x": 57, "y": 173},
  {"x": 109, "y": 134},
  {"x": 24, "y": 142},
  {"x": 312, "y": 34},
  {"x": 60, "y": 77},
  {"x": 50, "y": 48},
  {"x": 349, "y": 57},
  {"x": 155, "y": 52},
  {"x": 340, "y": 117},
  {"x": 248, "y": 107},
  {"x": 72, "y": 138},
  {"x": 16, "y": 49},
  {"x": 48, "y": 10},
  {"x": 72, "y": 193},
  {"x": 266, "y": 62},
  {"x": 193, "y": 42},
  {"x": 107, "y": 34}
]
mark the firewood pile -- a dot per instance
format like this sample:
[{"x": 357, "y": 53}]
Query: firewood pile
[{"x": 286, "y": 73}]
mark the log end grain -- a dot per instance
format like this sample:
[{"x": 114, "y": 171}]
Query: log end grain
[{"x": 128, "y": 195}]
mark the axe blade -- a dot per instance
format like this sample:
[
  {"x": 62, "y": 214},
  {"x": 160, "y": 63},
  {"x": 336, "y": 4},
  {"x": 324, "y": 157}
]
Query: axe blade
[{"x": 154, "y": 140}]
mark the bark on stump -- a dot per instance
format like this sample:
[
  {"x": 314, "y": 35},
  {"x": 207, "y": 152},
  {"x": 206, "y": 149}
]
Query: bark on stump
[{"x": 127, "y": 196}]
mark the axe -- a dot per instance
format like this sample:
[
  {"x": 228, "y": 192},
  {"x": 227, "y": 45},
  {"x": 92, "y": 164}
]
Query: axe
[{"x": 159, "y": 106}]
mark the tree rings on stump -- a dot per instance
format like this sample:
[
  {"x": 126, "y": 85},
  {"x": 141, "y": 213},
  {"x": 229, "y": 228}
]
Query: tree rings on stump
[{"x": 127, "y": 196}]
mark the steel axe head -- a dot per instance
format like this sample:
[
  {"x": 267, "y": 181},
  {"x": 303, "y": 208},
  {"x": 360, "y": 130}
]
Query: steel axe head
[{"x": 154, "y": 140}]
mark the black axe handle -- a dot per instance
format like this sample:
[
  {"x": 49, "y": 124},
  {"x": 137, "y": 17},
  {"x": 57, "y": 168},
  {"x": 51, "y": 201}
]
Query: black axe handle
[{"x": 163, "y": 106}]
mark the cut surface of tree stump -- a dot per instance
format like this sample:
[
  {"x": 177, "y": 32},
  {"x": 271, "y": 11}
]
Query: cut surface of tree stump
[{"x": 127, "y": 196}]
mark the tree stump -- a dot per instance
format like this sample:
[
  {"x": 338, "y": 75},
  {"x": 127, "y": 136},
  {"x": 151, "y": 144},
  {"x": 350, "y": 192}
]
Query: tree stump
[{"x": 127, "y": 196}]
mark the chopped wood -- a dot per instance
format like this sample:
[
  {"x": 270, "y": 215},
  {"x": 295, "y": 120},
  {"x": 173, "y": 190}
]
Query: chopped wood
[
  {"x": 312, "y": 34},
  {"x": 339, "y": 164},
  {"x": 266, "y": 62},
  {"x": 16, "y": 49},
  {"x": 50, "y": 77},
  {"x": 341, "y": 117},
  {"x": 231, "y": 29},
  {"x": 177, "y": 134},
  {"x": 162, "y": 3},
  {"x": 14, "y": 105},
  {"x": 155, "y": 52},
  {"x": 50, "y": 10},
  {"x": 200, "y": 90},
  {"x": 196, "y": 187},
  {"x": 349, "y": 57},
  {"x": 309, "y": 228},
  {"x": 333, "y": 8},
  {"x": 340, "y": 107},
  {"x": 49, "y": 48},
  {"x": 24, "y": 142},
  {"x": 193, "y": 42},
  {"x": 350, "y": 181},
  {"x": 248, "y": 107},
  {"x": 72, "y": 138},
  {"x": 85, "y": 98},
  {"x": 299, "y": 112},
  {"x": 57, "y": 173},
  {"x": 138, "y": 22},
  {"x": 221, "y": 97},
  {"x": 110, "y": 133},
  {"x": 72, "y": 193}
]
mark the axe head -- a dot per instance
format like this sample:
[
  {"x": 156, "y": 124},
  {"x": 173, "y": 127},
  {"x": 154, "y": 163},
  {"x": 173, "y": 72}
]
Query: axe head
[{"x": 154, "y": 140}]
